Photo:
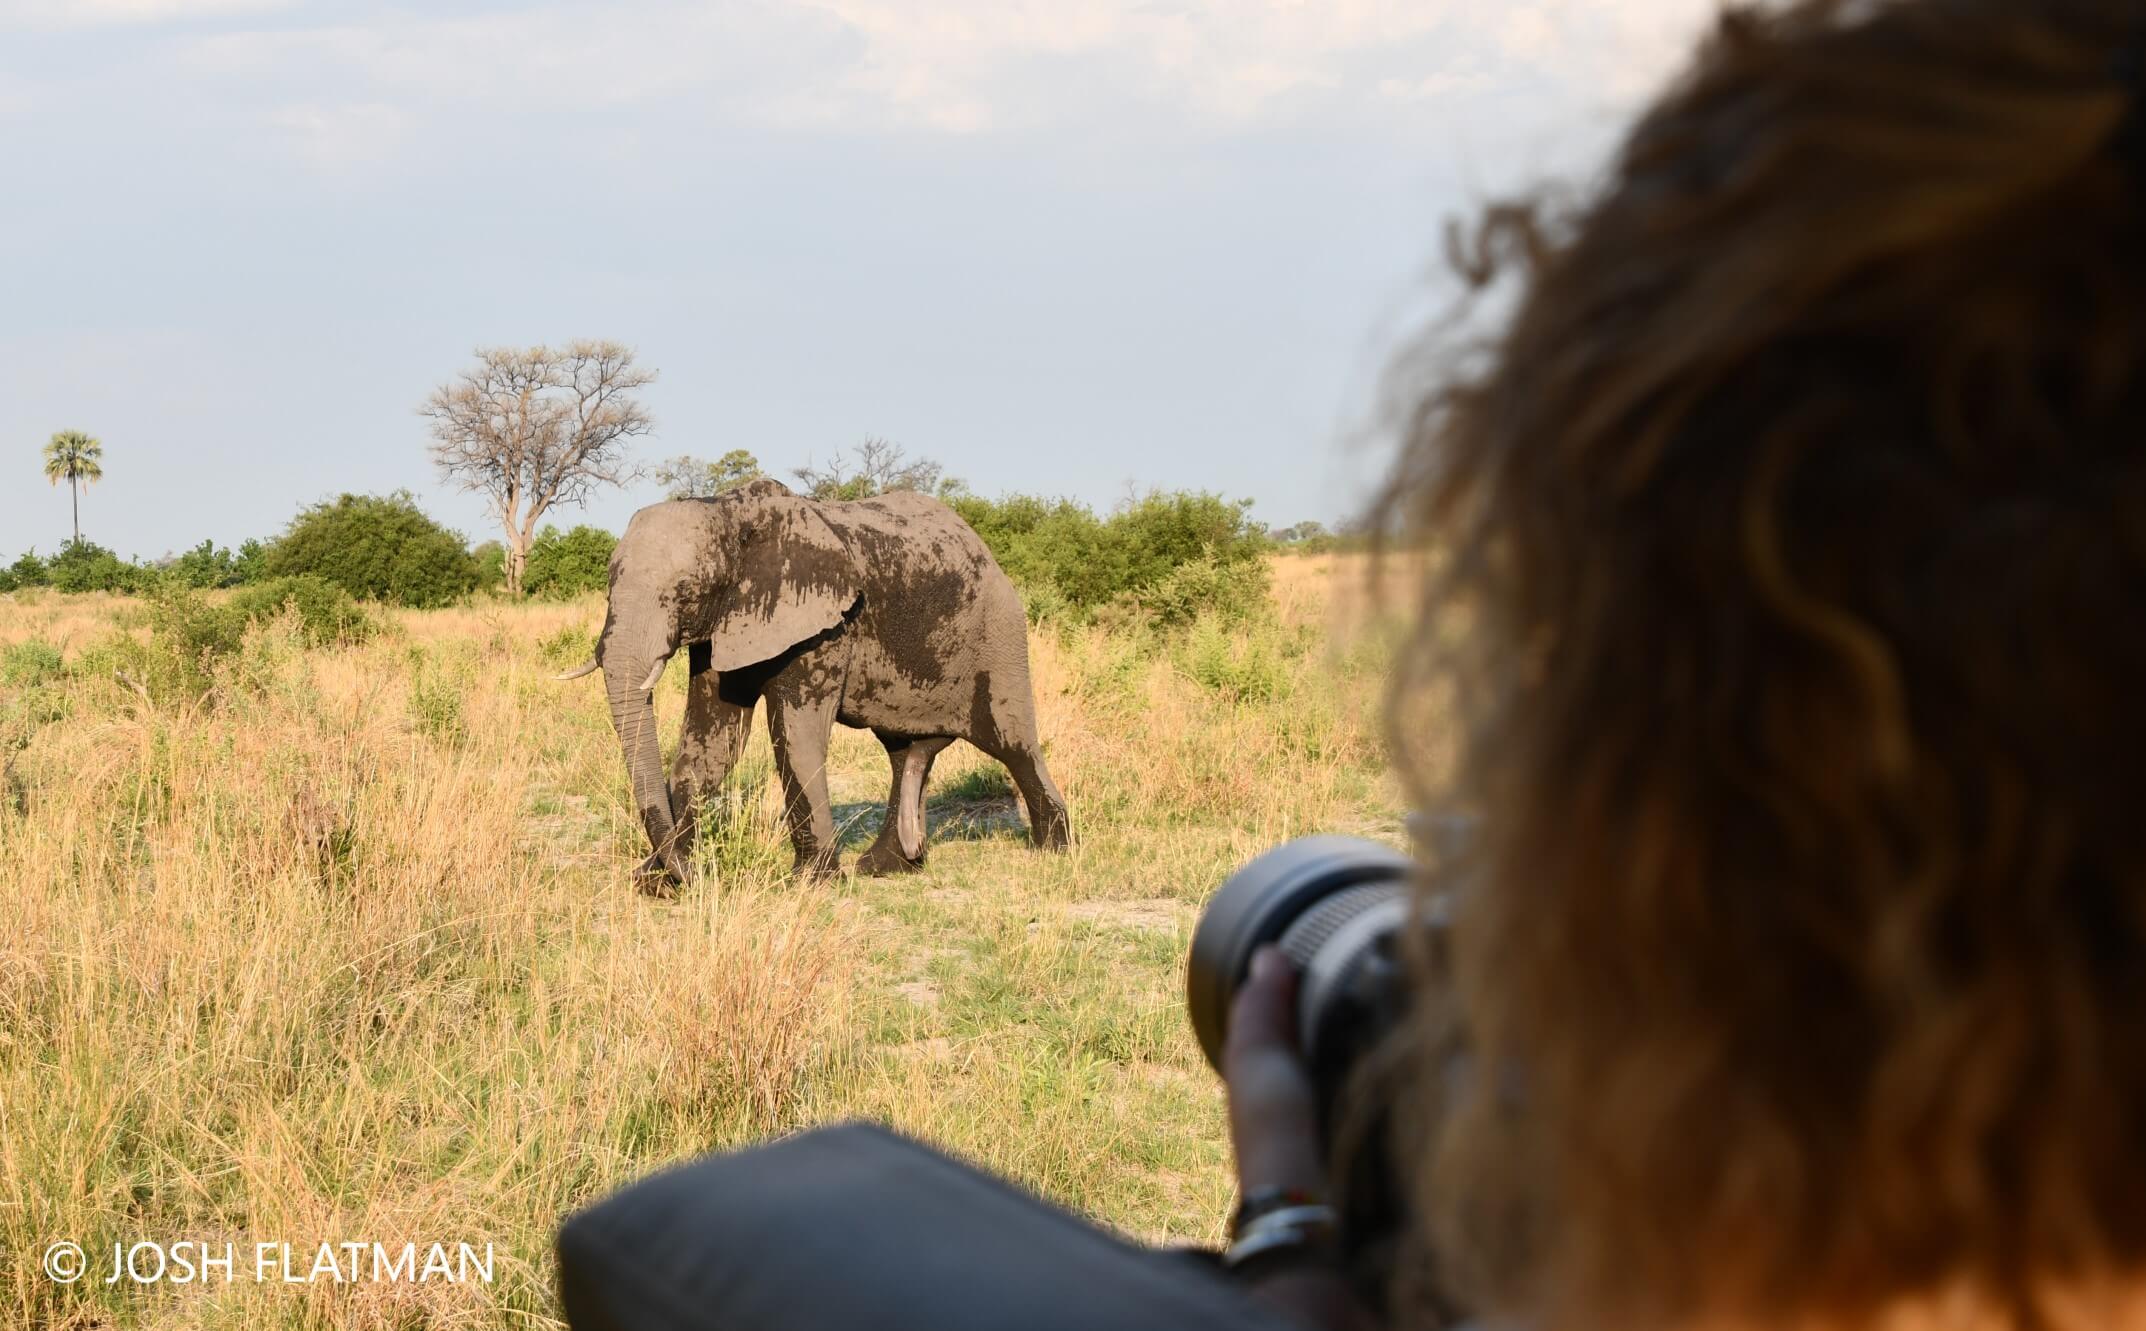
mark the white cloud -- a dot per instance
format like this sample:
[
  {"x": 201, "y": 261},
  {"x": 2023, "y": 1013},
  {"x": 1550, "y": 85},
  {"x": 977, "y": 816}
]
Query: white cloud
[
  {"x": 354, "y": 93},
  {"x": 962, "y": 64}
]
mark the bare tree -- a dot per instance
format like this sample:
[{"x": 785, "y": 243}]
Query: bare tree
[
  {"x": 875, "y": 467},
  {"x": 535, "y": 427}
]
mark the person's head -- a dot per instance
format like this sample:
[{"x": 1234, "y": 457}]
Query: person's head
[{"x": 1796, "y": 523}]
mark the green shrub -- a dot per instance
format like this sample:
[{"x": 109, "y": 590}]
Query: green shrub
[
  {"x": 28, "y": 571},
  {"x": 1230, "y": 593},
  {"x": 85, "y": 566},
  {"x": 1176, "y": 553},
  {"x": 207, "y": 565},
  {"x": 567, "y": 648},
  {"x": 569, "y": 564},
  {"x": 327, "y": 615},
  {"x": 1057, "y": 550},
  {"x": 192, "y": 635},
  {"x": 29, "y": 664},
  {"x": 1107, "y": 667},
  {"x": 252, "y": 562},
  {"x": 30, "y": 701},
  {"x": 1245, "y": 664},
  {"x": 437, "y": 689},
  {"x": 491, "y": 558},
  {"x": 376, "y": 547},
  {"x": 1163, "y": 532},
  {"x": 1046, "y": 604},
  {"x": 188, "y": 634}
]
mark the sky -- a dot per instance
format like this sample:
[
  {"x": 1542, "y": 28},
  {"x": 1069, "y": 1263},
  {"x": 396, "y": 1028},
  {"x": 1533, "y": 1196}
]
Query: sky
[{"x": 1067, "y": 247}]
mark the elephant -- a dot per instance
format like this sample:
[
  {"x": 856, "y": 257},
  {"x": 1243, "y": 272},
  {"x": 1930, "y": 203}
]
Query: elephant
[{"x": 885, "y": 614}]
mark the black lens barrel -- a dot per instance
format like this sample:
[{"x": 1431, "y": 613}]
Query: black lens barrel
[{"x": 1298, "y": 894}]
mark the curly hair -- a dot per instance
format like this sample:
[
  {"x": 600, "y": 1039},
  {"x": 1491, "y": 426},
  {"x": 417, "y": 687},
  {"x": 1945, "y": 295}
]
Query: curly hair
[{"x": 1797, "y": 520}]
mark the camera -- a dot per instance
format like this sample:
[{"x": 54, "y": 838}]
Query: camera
[{"x": 850, "y": 1226}]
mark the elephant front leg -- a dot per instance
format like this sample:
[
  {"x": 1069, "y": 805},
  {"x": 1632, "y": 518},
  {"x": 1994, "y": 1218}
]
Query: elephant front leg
[
  {"x": 900, "y": 846},
  {"x": 799, "y": 722},
  {"x": 716, "y": 727}
]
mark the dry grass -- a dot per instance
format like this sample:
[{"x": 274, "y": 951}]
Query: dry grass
[{"x": 350, "y": 952}]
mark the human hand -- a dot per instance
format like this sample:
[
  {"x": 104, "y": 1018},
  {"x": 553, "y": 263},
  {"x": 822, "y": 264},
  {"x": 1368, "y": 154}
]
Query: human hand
[
  {"x": 1273, "y": 1108},
  {"x": 1274, "y": 1128}
]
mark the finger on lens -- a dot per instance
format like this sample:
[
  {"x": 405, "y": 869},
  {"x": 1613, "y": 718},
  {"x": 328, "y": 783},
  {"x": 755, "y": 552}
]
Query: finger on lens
[{"x": 1264, "y": 1013}]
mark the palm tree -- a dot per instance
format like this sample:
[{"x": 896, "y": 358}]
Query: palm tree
[{"x": 72, "y": 456}]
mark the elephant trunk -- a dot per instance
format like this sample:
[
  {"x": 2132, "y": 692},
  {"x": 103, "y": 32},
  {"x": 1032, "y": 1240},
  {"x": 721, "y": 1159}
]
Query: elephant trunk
[{"x": 633, "y": 716}]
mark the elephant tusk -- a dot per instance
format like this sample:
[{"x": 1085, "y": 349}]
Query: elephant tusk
[
  {"x": 577, "y": 672},
  {"x": 653, "y": 677}
]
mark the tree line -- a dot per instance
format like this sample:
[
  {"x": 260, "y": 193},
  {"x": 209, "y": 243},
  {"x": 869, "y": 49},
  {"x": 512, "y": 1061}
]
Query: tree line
[
  {"x": 1146, "y": 556},
  {"x": 538, "y": 429}
]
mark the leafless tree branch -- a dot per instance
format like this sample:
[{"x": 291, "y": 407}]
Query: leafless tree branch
[{"x": 536, "y": 427}]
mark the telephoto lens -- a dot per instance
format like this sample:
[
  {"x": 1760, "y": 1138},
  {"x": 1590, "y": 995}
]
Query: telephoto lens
[
  {"x": 1339, "y": 908},
  {"x": 1335, "y": 906}
]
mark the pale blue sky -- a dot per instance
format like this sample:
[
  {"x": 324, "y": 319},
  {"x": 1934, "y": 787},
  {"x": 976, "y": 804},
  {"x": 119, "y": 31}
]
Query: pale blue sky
[{"x": 1062, "y": 246}]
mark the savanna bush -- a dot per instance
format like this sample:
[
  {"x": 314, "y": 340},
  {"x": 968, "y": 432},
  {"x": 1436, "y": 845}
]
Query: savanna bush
[
  {"x": 85, "y": 566},
  {"x": 28, "y": 571},
  {"x": 1232, "y": 593},
  {"x": 1053, "y": 548},
  {"x": 1174, "y": 553},
  {"x": 209, "y": 566},
  {"x": 188, "y": 634},
  {"x": 327, "y": 615},
  {"x": 563, "y": 565},
  {"x": 32, "y": 673},
  {"x": 378, "y": 548},
  {"x": 29, "y": 664},
  {"x": 192, "y": 634},
  {"x": 491, "y": 559},
  {"x": 567, "y": 648},
  {"x": 1163, "y": 532},
  {"x": 1251, "y": 662},
  {"x": 439, "y": 685}
]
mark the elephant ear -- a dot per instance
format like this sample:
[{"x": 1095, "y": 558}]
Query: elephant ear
[{"x": 791, "y": 577}]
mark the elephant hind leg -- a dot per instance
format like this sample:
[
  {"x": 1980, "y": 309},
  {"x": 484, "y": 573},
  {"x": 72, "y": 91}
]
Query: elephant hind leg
[
  {"x": 1049, "y": 826},
  {"x": 1002, "y": 716},
  {"x": 900, "y": 846}
]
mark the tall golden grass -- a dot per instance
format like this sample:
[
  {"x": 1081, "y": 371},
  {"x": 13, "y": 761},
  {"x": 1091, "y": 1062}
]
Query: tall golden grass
[{"x": 348, "y": 950}]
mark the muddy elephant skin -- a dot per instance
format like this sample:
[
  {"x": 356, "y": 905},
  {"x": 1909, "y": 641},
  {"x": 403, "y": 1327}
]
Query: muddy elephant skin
[{"x": 886, "y": 614}]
